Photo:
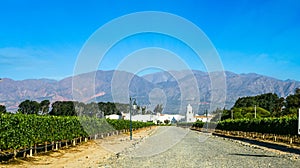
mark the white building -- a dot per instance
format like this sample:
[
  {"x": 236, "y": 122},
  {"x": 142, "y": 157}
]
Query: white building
[
  {"x": 154, "y": 118},
  {"x": 113, "y": 116}
]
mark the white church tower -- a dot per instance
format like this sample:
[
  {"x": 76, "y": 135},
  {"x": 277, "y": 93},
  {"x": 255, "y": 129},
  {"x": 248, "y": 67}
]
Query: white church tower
[{"x": 190, "y": 117}]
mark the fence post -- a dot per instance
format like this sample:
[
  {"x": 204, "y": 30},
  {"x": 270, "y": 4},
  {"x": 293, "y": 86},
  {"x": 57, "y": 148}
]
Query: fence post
[
  {"x": 56, "y": 145},
  {"x": 52, "y": 145},
  {"x": 24, "y": 153},
  {"x": 15, "y": 153},
  {"x": 30, "y": 151},
  {"x": 45, "y": 146}
]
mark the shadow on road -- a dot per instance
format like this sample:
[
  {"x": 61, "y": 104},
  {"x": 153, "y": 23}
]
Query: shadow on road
[{"x": 242, "y": 154}]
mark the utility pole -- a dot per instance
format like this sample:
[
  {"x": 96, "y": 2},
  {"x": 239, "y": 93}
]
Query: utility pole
[
  {"x": 206, "y": 121},
  {"x": 255, "y": 111},
  {"x": 231, "y": 114},
  {"x": 299, "y": 122}
]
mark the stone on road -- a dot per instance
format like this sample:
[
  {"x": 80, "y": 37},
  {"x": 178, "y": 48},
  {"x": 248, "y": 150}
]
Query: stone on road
[{"x": 178, "y": 147}]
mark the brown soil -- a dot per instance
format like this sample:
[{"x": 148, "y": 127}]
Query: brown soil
[{"x": 89, "y": 154}]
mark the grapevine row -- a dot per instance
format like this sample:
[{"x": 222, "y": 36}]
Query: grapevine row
[
  {"x": 19, "y": 130},
  {"x": 281, "y": 126}
]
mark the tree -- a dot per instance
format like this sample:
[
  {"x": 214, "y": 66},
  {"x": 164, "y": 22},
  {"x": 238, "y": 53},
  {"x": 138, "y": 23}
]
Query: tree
[
  {"x": 109, "y": 108},
  {"x": 167, "y": 121},
  {"x": 269, "y": 101},
  {"x": 2, "y": 109},
  {"x": 158, "y": 108},
  {"x": 29, "y": 107},
  {"x": 44, "y": 107},
  {"x": 63, "y": 108},
  {"x": 292, "y": 103},
  {"x": 143, "y": 110}
]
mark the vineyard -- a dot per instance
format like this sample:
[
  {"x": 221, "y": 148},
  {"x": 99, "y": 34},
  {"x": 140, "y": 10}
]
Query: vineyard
[
  {"x": 19, "y": 131},
  {"x": 283, "y": 129},
  {"x": 282, "y": 126}
]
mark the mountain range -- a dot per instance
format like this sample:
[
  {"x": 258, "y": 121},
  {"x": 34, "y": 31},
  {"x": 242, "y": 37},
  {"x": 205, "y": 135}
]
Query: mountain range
[{"x": 173, "y": 89}]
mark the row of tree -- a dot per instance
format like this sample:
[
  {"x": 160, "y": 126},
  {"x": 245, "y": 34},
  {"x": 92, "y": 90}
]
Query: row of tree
[
  {"x": 73, "y": 108},
  {"x": 260, "y": 106},
  {"x": 68, "y": 108}
]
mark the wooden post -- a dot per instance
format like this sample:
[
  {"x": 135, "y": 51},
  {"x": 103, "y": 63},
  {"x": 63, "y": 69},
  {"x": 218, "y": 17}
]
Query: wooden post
[
  {"x": 291, "y": 140},
  {"x": 35, "y": 150},
  {"x": 56, "y": 145},
  {"x": 275, "y": 138},
  {"x": 74, "y": 142},
  {"x": 30, "y": 151},
  {"x": 24, "y": 153},
  {"x": 52, "y": 143},
  {"x": 15, "y": 153},
  {"x": 80, "y": 139},
  {"x": 45, "y": 146}
]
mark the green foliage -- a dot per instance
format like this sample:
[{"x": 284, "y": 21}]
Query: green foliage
[
  {"x": 283, "y": 125},
  {"x": 44, "y": 107},
  {"x": 2, "y": 109},
  {"x": 167, "y": 121},
  {"x": 29, "y": 107},
  {"x": 292, "y": 103},
  {"x": 269, "y": 101},
  {"x": 70, "y": 108},
  {"x": 245, "y": 112},
  {"x": 198, "y": 124},
  {"x": 19, "y": 130},
  {"x": 63, "y": 108},
  {"x": 125, "y": 124},
  {"x": 109, "y": 108}
]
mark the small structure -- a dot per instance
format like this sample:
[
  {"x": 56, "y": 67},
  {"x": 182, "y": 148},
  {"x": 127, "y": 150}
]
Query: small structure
[{"x": 203, "y": 118}]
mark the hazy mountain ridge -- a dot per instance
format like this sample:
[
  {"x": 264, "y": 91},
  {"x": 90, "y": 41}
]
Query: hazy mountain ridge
[{"x": 238, "y": 85}]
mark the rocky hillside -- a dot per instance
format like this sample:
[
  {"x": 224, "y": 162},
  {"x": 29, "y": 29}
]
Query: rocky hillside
[{"x": 162, "y": 87}]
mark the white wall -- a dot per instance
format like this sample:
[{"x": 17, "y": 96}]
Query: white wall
[{"x": 113, "y": 116}]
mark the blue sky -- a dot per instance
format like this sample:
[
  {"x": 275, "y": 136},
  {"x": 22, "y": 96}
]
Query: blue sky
[{"x": 42, "y": 39}]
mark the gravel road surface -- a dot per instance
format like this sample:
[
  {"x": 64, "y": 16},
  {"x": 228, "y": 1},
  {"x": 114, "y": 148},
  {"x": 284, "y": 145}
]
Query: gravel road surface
[{"x": 178, "y": 147}]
